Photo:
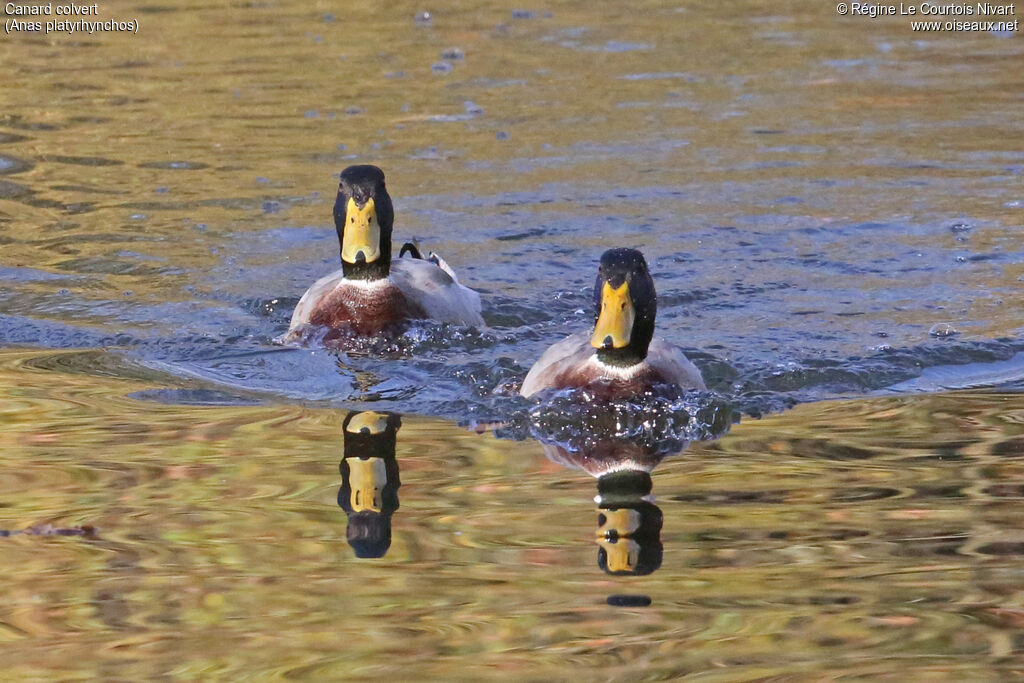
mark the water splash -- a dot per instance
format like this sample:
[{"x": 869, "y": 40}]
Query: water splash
[{"x": 660, "y": 421}]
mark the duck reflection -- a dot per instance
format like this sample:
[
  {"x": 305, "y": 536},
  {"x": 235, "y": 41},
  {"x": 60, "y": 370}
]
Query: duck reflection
[
  {"x": 628, "y": 522},
  {"x": 369, "y": 480}
]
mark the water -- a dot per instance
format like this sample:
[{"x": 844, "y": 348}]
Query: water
[
  {"x": 858, "y": 538},
  {"x": 831, "y": 210}
]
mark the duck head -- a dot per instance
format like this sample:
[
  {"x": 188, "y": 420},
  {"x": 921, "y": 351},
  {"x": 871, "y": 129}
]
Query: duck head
[
  {"x": 364, "y": 216},
  {"x": 369, "y": 480},
  {"x": 626, "y": 307}
]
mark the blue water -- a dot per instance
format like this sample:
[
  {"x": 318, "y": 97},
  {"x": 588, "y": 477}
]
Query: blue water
[{"x": 773, "y": 312}]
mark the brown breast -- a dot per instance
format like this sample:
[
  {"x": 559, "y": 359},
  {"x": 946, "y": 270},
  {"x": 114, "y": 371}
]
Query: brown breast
[
  {"x": 590, "y": 377},
  {"x": 366, "y": 312}
]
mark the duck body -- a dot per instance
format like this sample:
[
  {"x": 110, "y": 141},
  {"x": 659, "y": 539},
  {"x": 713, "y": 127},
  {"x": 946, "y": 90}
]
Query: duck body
[
  {"x": 621, "y": 357},
  {"x": 372, "y": 293},
  {"x": 415, "y": 289},
  {"x": 573, "y": 364}
]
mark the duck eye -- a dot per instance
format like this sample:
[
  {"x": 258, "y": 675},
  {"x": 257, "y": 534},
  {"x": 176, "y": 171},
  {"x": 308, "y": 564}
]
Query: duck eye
[{"x": 352, "y": 219}]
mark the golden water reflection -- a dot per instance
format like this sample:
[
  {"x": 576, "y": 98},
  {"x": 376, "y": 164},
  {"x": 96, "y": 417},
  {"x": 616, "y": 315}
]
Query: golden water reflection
[{"x": 848, "y": 538}]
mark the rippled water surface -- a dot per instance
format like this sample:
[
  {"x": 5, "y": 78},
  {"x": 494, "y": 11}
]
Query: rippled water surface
[
  {"x": 860, "y": 538},
  {"x": 831, "y": 208}
]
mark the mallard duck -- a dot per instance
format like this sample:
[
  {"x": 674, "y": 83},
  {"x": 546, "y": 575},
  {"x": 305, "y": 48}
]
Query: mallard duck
[
  {"x": 373, "y": 293},
  {"x": 620, "y": 358}
]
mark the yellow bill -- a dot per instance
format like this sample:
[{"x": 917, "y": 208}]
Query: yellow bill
[
  {"x": 362, "y": 232},
  {"x": 616, "y": 318},
  {"x": 367, "y": 478},
  {"x": 622, "y": 555}
]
